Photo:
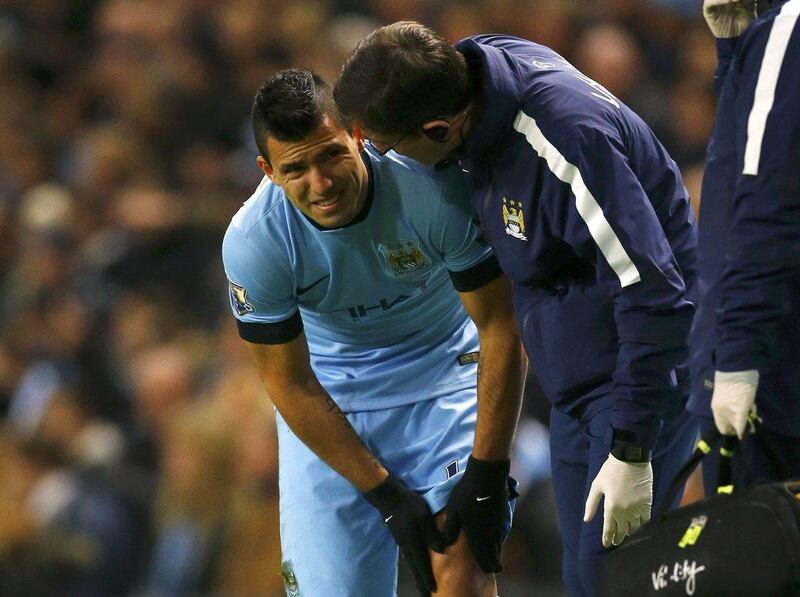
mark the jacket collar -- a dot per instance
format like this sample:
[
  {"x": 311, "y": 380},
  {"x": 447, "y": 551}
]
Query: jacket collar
[{"x": 499, "y": 95}]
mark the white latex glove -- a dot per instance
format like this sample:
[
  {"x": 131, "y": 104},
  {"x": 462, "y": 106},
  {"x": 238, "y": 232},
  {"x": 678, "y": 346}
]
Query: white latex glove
[
  {"x": 628, "y": 488},
  {"x": 733, "y": 399},
  {"x": 728, "y": 18}
]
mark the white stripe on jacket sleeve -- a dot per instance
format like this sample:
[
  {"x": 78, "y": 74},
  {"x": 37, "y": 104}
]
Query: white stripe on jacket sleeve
[
  {"x": 587, "y": 206},
  {"x": 771, "y": 63}
]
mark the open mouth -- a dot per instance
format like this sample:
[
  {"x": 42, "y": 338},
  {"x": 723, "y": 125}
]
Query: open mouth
[{"x": 327, "y": 204}]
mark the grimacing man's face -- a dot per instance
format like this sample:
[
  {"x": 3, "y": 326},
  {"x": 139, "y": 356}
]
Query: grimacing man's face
[{"x": 322, "y": 175}]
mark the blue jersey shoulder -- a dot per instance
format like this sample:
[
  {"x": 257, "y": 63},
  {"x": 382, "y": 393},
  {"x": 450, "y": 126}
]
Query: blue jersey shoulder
[{"x": 266, "y": 202}]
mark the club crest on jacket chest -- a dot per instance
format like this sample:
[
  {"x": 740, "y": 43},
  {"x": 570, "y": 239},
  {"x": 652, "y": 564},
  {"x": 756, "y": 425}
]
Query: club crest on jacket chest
[{"x": 513, "y": 219}]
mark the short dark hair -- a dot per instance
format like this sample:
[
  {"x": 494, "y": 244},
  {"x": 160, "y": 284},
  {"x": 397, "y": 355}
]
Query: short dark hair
[
  {"x": 289, "y": 105},
  {"x": 398, "y": 76}
]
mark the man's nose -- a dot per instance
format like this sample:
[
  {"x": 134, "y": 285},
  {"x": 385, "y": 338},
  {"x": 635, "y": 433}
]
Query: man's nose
[{"x": 321, "y": 181}]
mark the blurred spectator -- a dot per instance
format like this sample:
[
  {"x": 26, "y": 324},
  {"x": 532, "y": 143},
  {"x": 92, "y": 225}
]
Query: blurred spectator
[
  {"x": 609, "y": 54},
  {"x": 693, "y": 178},
  {"x": 692, "y": 115},
  {"x": 63, "y": 533},
  {"x": 194, "y": 505},
  {"x": 251, "y": 562},
  {"x": 162, "y": 388}
]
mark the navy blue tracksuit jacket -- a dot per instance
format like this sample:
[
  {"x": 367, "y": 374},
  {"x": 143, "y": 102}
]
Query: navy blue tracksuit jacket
[
  {"x": 749, "y": 235},
  {"x": 589, "y": 217}
]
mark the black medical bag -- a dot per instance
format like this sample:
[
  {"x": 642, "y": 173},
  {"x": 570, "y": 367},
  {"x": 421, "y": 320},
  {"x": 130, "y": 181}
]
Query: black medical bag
[{"x": 744, "y": 543}]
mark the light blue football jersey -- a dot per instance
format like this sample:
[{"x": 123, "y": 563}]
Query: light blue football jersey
[{"x": 384, "y": 324}]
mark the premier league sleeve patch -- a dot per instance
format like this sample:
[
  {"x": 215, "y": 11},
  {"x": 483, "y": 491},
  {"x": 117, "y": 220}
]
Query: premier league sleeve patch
[{"x": 239, "y": 299}]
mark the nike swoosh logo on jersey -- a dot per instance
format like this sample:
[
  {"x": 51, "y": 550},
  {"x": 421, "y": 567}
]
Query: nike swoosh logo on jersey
[
  {"x": 307, "y": 288},
  {"x": 388, "y": 518},
  {"x": 482, "y": 499}
]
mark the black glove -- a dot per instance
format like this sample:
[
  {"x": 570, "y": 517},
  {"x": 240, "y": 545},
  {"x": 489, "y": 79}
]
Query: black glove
[
  {"x": 412, "y": 525},
  {"x": 478, "y": 504}
]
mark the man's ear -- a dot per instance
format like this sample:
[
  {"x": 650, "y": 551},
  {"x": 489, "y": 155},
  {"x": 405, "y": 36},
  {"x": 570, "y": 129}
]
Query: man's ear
[
  {"x": 437, "y": 130},
  {"x": 358, "y": 135},
  {"x": 265, "y": 167}
]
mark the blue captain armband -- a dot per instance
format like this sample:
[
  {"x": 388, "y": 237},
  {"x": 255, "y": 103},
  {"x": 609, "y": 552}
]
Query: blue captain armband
[
  {"x": 477, "y": 276},
  {"x": 279, "y": 332}
]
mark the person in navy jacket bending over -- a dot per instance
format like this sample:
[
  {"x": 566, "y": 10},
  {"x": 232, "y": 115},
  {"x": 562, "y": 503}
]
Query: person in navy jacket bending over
[
  {"x": 745, "y": 341},
  {"x": 589, "y": 217}
]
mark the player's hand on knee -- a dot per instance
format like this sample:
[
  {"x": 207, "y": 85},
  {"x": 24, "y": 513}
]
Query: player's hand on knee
[
  {"x": 628, "y": 491},
  {"x": 478, "y": 505},
  {"x": 412, "y": 525},
  {"x": 728, "y": 18}
]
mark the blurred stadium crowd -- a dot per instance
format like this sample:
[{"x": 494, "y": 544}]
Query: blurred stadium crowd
[{"x": 138, "y": 451}]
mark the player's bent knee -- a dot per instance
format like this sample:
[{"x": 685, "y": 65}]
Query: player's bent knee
[{"x": 457, "y": 573}]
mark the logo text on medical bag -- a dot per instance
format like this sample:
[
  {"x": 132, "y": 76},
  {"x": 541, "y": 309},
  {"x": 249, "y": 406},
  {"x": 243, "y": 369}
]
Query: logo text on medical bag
[{"x": 685, "y": 572}]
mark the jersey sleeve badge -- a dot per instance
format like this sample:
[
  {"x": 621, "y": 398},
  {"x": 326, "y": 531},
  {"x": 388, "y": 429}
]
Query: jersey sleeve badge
[{"x": 239, "y": 299}]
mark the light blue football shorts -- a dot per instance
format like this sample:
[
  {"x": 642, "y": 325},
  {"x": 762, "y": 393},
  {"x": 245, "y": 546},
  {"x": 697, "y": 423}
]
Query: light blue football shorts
[{"x": 334, "y": 542}]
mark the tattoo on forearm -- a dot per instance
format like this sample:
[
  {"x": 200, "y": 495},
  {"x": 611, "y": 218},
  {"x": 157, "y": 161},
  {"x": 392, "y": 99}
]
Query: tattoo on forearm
[{"x": 334, "y": 408}]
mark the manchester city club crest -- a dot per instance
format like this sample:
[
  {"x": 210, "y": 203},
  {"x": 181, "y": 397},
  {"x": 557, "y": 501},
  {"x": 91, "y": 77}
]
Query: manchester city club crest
[
  {"x": 239, "y": 299},
  {"x": 513, "y": 218},
  {"x": 402, "y": 258}
]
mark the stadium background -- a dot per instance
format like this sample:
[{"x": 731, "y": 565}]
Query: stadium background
[{"x": 137, "y": 451}]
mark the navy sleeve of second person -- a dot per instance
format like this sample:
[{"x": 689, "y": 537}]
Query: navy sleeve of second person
[
  {"x": 764, "y": 250},
  {"x": 615, "y": 225}
]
